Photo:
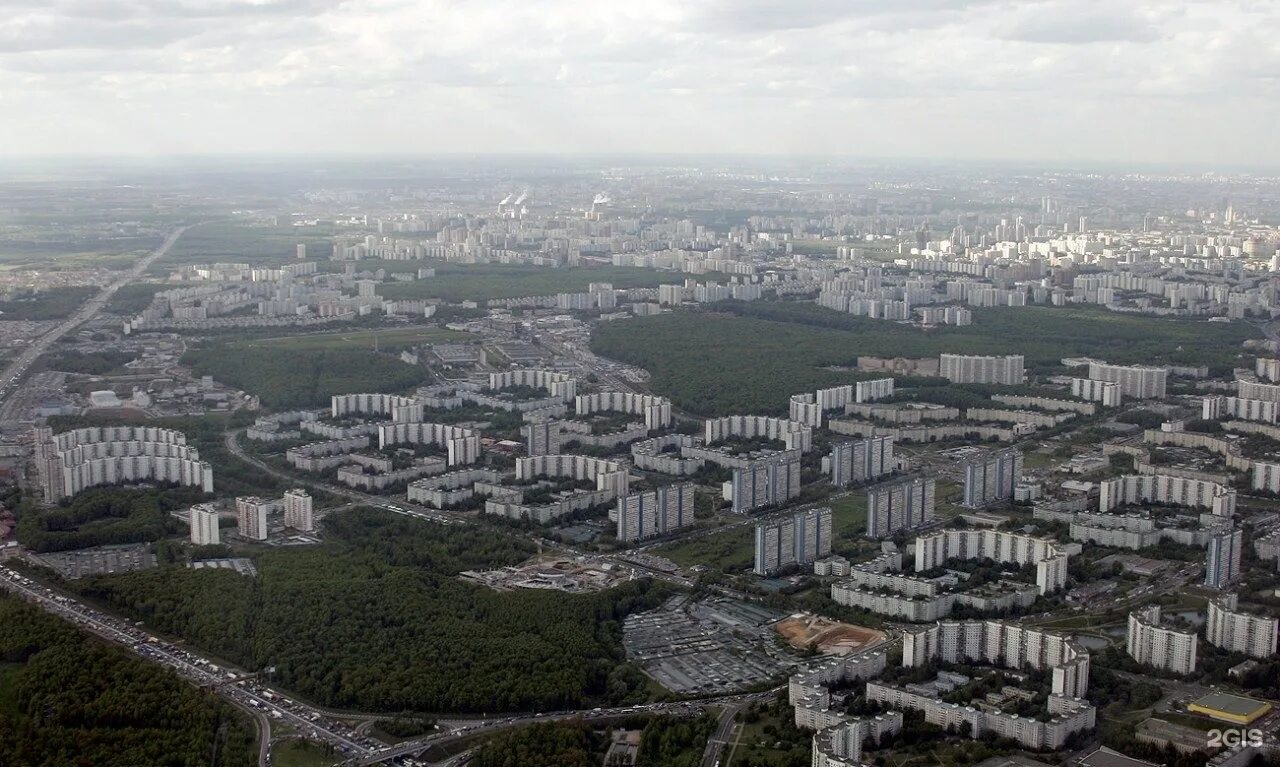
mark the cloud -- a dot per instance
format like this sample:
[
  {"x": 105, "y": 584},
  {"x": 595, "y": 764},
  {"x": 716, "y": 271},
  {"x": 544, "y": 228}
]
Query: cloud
[{"x": 906, "y": 77}]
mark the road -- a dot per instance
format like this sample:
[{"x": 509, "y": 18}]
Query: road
[
  {"x": 720, "y": 738},
  {"x": 22, "y": 363},
  {"x": 243, "y": 692}
]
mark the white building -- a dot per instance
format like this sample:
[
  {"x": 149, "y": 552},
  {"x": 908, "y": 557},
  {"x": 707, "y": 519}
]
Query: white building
[
  {"x": 1237, "y": 631},
  {"x": 1105, "y": 392},
  {"x": 795, "y": 539},
  {"x": 972, "y": 368},
  {"x": 1164, "y": 648},
  {"x": 902, "y": 505},
  {"x": 1222, "y": 558},
  {"x": 664, "y": 510},
  {"x": 251, "y": 515},
  {"x": 991, "y": 477},
  {"x": 861, "y": 460},
  {"x": 1136, "y": 381},
  {"x": 1050, "y": 561},
  {"x": 298, "y": 510},
  {"x": 204, "y": 525},
  {"x": 1164, "y": 488}
]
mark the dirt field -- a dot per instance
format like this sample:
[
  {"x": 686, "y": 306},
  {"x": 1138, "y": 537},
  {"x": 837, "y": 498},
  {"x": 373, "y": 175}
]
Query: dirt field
[{"x": 830, "y": 637}]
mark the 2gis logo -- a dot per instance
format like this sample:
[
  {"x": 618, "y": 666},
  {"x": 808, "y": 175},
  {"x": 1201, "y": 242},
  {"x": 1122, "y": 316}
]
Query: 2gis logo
[{"x": 1232, "y": 737}]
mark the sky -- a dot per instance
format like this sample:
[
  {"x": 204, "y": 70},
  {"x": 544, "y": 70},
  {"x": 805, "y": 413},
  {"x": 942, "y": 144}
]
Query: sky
[{"x": 1159, "y": 81}]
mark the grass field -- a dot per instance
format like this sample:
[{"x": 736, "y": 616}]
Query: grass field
[
  {"x": 238, "y": 241},
  {"x": 749, "y": 358},
  {"x": 302, "y": 753},
  {"x": 477, "y": 282},
  {"x": 385, "y": 340}
]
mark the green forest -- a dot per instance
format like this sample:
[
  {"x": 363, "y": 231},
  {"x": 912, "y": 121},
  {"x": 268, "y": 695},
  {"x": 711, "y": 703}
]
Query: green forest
[
  {"x": 374, "y": 619},
  {"x": 67, "y": 700},
  {"x": 51, "y": 304},
  {"x": 750, "y": 357},
  {"x": 103, "y": 516},
  {"x": 285, "y": 378}
]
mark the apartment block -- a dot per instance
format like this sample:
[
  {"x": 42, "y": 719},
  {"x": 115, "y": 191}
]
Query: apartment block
[
  {"x": 795, "y": 539},
  {"x": 901, "y": 505},
  {"x": 969, "y": 368}
]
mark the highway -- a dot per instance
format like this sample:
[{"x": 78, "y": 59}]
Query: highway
[
  {"x": 243, "y": 692},
  {"x": 14, "y": 371}
]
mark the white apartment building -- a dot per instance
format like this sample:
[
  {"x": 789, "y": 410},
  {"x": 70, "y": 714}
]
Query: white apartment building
[
  {"x": 1237, "y": 631},
  {"x": 870, "y": 391},
  {"x": 1136, "y": 381},
  {"x": 1164, "y": 648},
  {"x": 1218, "y": 406},
  {"x": 204, "y": 525},
  {"x": 1051, "y": 563},
  {"x": 1256, "y": 390},
  {"x": 251, "y": 515},
  {"x": 991, "y": 477},
  {"x": 1105, "y": 392},
  {"x": 973, "y": 368},
  {"x": 902, "y": 505},
  {"x": 1009, "y": 644},
  {"x": 660, "y": 511},
  {"x": 766, "y": 481},
  {"x": 1222, "y": 558},
  {"x": 298, "y": 510},
  {"x": 1163, "y": 488},
  {"x": 795, "y": 539},
  {"x": 861, "y": 460}
]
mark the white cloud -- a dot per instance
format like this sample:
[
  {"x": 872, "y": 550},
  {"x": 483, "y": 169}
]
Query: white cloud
[{"x": 1029, "y": 79}]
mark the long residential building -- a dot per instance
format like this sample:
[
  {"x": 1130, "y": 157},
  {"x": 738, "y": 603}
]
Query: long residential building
[
  {"x": 972, "y": 368},
  {"x": 860, "y": 461},
  {"x": 1164, "y": 488},
  {"x": 794, "y": 539},
  {"x": 990, "y": 477},
  {"x": 1218, "y": 406},
  {"x": 1001, "y": 642},
  {"x": 393, "y": 406},
  {"x": 899, "y": 505},
  {"x": 82, "y": 458},
  {"x": 1152, "y": 644},
  {"x": 560, "y": 386},
  {"x": 656, "y": 410},
  {"x": 1004, "y": 547},
  {"x": 793, "y": 434},
  {"x": 1238, "y": 631},
  {"x": 1256, "y": 390},
  {"x": 461, "y": 445},
  {"x": 657, "y": 512},
  {"x": 608, "y": 475},
  {"x": 1136, "y": 381}
]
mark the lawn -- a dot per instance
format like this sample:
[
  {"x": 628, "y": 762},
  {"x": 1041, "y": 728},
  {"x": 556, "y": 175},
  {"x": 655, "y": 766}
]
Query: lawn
[
  {"x": 392, "y": 339},
  {"x": 731, "y": 550}
]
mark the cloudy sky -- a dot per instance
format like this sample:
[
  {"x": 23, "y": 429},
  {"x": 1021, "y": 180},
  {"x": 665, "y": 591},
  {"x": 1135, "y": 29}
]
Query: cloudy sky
[{"x": 1063, "y": 80}]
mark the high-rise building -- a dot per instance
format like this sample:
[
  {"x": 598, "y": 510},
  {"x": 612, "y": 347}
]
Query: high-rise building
[
  {"x": 991, "y": 477},
  {"x": 541, "y": 437},
  {"x": 297, "y": 510},
  {"x": 1238, "y": 631},
  {"x": 251, "y": 514},
  {"x": 766, "y": 481},
  {"x": 1136, "y": 381},
  {"x": 1222, "y": 558},
  {"x": 795, "y": 539},
  {"x": 660, "y": 511},
  {"x": 1164, "y": 648},
  {"x": 861, "y": 460},
  {"x": 204, "y": 525},
  {"x": 899, "y": 505},
  {"x": 972, "y": 368}
]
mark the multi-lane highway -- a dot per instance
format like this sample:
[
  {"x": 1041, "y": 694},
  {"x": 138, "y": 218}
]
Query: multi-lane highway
[{"x": 14, "y": 371}]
